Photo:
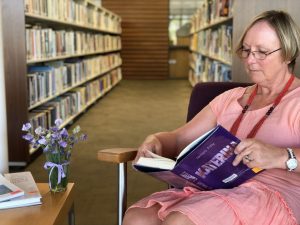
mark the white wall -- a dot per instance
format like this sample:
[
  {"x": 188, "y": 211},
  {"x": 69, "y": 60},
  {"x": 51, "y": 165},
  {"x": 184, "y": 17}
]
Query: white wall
[
  {"x": 98, "y": 2},
  {"x": 3, "y": 123}
]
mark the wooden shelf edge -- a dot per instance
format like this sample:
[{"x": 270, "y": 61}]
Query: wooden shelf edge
[
  {"x": 32, "y": 61},
  {"x": 102, "y": 8},
  {"x": 53, "y": 20},
  {"x": 216, "y": 58},
  {"x": 215, "y": 23}
]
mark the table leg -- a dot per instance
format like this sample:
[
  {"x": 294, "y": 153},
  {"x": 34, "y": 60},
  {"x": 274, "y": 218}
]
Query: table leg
[
  {"x": 122, "y": 191},
  {"x": 71, "y": 215}
]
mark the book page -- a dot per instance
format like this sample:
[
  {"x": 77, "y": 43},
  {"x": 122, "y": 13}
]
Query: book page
[
  {"x": 8, "y": 190},
  {"x": 25, "y": 181},
  {"x": 160, "y": 163},
  {"x": 156, "y": 161}
]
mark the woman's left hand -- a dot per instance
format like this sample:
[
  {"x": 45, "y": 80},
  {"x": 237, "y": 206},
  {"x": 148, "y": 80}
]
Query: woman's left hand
[{"x": 255, "y": 153}]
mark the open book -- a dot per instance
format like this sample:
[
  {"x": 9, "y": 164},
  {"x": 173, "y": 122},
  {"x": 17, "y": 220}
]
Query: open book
[
  {"x": 25, "y": 181},
  {"x": 206, "y": 163},
  {"x": 8, "y": 190}
]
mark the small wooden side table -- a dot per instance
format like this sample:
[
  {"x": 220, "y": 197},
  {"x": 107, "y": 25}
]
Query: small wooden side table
[{"x": 53, "y": 210}]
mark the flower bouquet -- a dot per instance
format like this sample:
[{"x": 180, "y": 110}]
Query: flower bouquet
[{"x": 57, "y": 145}]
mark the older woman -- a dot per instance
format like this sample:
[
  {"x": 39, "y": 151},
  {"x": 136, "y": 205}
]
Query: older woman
[{"x": 266, "y": 116}]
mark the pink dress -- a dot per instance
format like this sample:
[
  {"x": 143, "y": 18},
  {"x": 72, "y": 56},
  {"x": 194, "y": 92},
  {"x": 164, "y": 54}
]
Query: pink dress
[{"x": 270, "y": 198}]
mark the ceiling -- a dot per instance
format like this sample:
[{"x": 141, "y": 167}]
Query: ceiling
[{"x": 184, "y": 7}]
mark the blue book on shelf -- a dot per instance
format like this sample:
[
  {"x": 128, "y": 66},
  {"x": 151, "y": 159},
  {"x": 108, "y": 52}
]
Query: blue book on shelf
[{"x": 34, "y": 69}]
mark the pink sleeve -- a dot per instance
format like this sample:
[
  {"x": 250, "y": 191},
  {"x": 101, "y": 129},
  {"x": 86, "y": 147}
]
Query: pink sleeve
[{"x": 220, "y": 103}]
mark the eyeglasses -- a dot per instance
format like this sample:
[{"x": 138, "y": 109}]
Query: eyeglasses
[{"x": 244, "y": 53}]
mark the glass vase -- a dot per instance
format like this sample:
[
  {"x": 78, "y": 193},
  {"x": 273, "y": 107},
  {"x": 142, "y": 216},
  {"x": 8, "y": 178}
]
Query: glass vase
[{"x": 58, "y": 172}]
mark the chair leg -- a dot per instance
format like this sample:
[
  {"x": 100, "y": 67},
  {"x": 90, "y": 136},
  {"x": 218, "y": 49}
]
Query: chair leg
[{"x": 122, "y": 191}]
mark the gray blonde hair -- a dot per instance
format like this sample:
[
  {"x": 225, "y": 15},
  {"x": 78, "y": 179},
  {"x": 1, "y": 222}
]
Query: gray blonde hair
[{"x": 287, "y": 31}]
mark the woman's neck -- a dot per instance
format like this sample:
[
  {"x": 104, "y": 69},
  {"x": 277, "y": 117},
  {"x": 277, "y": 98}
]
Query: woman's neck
[{"x": 274, "y": 87}]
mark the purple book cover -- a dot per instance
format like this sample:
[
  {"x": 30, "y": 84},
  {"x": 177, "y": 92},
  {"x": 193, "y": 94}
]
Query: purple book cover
[
  {"x": 172, "y": 179},
  {"x": 208, "y": 164}
]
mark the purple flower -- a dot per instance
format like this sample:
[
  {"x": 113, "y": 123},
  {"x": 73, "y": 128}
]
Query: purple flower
[
  {"x": 38, "y": 130},
  {"x": 54, "y": 129},
  {"x": 64, "y": 133},
  {"x": 58, "y": 122},
  {"x": 42, "y": 141},
  {"x": 28, "y": 137},
  {"x": 83, "y": 137},
  {"x": 46, "y": 149},
  {"x": 55, "y": 136},
  {"x": 63, "y": 144},
  {"x": 26, "y": 127},
  {"x": 53, "y": 140}
]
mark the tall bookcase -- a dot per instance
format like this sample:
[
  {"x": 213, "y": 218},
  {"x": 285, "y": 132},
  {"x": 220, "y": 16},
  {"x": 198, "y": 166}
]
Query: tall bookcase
[
  {"x": 211, "y": 42},
  {"x": 240, "y": 13},
  {"x": 59, "y": 57}
]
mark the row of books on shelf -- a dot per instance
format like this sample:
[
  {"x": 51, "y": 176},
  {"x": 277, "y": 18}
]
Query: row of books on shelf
[
  {"x": 54, "y": 78},
  {"x": 18, "y": 190},
  {"x": 219, "y": 74},
  {"x": 49, "y": 43},
  {"x": 74, "y": 12},
  {"x": 205, "y": 69},
  {"x": 214, "y": 42},
  {"x": 211, "y": 11},
  {"x": 73, "y": 102}
]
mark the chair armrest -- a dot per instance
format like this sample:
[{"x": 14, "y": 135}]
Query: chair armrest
[{"x": 117, "y": 155}]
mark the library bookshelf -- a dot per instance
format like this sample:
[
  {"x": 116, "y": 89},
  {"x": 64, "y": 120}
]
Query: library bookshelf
[
  {"x": 68, "y": 58},
  {"x": 211, "y": 42}
]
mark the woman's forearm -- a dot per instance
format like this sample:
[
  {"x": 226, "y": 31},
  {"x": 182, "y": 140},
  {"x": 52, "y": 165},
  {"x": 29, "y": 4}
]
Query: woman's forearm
[{"x": 169, "y": 143}]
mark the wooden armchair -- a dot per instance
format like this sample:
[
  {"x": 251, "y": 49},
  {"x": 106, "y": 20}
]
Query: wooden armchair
[{"x": 201, "y": 95}]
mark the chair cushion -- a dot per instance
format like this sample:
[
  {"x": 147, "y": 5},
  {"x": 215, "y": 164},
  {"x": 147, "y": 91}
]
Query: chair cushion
[{"x": 203, "y": 93}]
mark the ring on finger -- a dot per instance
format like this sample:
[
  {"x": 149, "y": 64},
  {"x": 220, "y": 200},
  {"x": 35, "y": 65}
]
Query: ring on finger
[{"x": 248, "y": 158}]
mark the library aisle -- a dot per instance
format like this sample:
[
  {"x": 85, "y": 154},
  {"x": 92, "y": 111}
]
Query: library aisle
[{"x": 134, "y": 109}]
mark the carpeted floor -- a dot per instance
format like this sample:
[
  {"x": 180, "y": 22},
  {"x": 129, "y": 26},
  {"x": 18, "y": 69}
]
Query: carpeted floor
[{"x": 123, "y": 118}]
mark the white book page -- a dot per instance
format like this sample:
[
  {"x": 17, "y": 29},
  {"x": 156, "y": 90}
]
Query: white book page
[
  {"x": 156, "y": 161},
  {"x": 161, "y": 163},
  {"x": 25, "y": 181},
  {"x": 8, "y": 190}
]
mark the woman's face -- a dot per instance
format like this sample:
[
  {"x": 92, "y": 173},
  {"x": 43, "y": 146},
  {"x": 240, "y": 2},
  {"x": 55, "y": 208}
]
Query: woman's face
[{"x": 262, "y": 37}]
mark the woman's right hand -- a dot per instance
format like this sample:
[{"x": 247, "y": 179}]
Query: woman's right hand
[{"x": 151, "y": 144}]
